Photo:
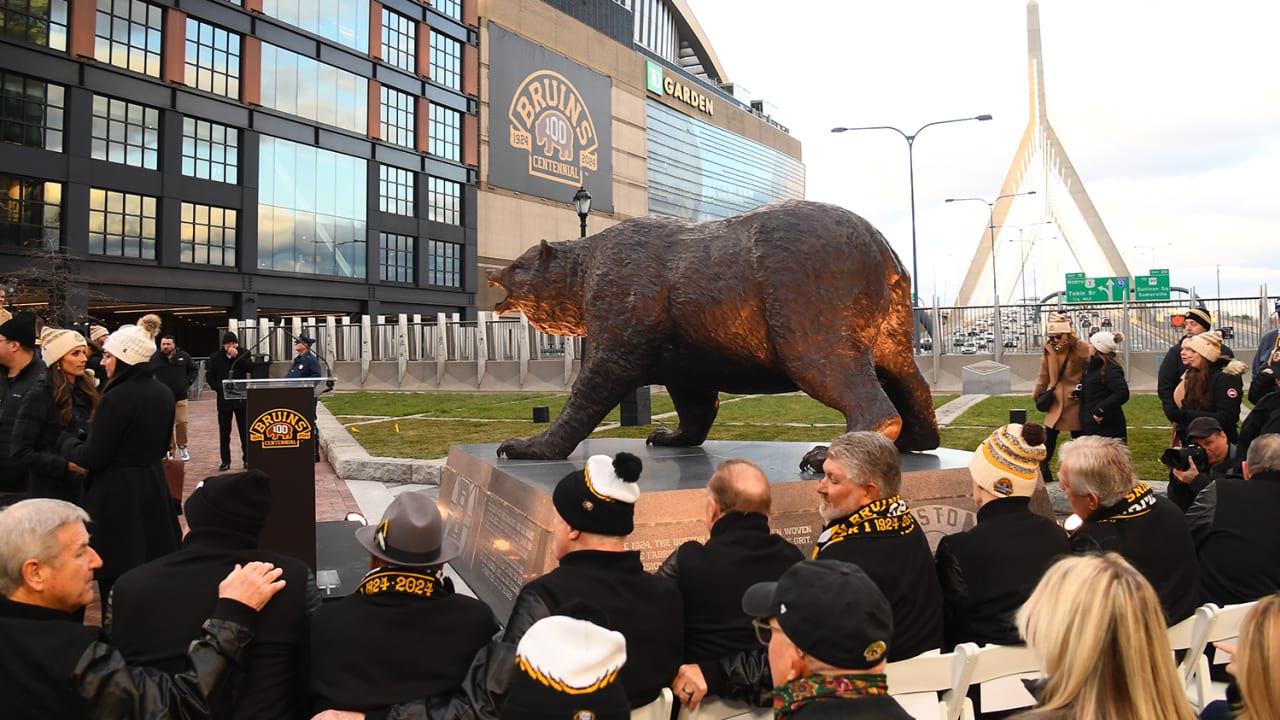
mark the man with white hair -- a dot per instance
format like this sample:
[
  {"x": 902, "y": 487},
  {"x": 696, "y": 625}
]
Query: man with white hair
[
  {"x": 1121, "y": 514},
  {"x": 869, "y": 524},
  {"x": 56, "y": 667}
]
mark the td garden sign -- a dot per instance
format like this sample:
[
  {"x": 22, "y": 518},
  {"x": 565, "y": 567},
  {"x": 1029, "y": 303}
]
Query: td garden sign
[
  {"x": 550, "y": 122},
  {"x": 660, "y": 83}
]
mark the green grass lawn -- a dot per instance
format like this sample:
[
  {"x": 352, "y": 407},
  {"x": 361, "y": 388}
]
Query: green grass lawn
[{"x": 797, "y": 418}]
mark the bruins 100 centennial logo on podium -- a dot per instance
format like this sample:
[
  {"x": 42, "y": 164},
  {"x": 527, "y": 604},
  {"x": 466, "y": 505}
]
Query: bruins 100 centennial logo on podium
[{"x": 279, "y": 428}]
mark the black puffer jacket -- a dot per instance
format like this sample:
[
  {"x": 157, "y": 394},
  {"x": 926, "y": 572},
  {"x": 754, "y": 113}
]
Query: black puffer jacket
[
  {"x": 1103, "y": 393},
  {"x": 54, "y": 667},
  {"x": 1226, "y": 390},
  {"x": 35, "y": 441},
  {"x": 13, "y": 474}
]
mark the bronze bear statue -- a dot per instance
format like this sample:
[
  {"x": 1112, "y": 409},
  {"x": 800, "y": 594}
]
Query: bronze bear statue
[{"x": 792, "y": 295}]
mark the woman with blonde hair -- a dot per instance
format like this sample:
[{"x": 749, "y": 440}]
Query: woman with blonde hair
[
  {"x": 1254, "y": 662},
  {"x": 1096, "y": 626}
]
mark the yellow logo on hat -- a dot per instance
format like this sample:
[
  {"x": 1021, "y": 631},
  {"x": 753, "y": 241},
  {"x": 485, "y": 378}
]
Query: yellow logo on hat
[
  {"x": 279, "y": 428},
  {"x": 875, "y": 651},
  {"x": 1003, "y": 487}
]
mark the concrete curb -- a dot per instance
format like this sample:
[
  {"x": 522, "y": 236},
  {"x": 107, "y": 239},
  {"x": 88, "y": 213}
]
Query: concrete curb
[{"x": 350, "y": 461}]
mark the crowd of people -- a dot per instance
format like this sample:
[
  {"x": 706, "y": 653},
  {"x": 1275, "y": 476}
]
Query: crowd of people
[{"x": 212, "y": 625}]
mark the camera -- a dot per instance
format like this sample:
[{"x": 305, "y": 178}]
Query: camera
[
  {"x": 1075, "y": 392},
  {"x": 1182, "y": 458}
]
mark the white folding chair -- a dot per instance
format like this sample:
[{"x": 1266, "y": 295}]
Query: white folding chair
[
  {"x": 999, "y": 671},
  {"x": 659, "y": 709},
  {"x": 1224, "y": 626},
  {"x": 1192, "y": 635},
  {"x": 714, "y": 708},
  {"x": 931, "y": 686}
]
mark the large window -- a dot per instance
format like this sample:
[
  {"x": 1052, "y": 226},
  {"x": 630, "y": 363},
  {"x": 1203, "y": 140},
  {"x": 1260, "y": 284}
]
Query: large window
[
  {"x": 449, "y": 8},
  {"x": 446, "y": 61},
  {"x": 313, "y": 90},
  {"x": 128, "y": 35},
  {"x": 444, "y": 201},
  {"x": 210, "y": 151},
  {"x": 399, "y": 38},
  {"x": 397, "y": 117},
  {"x": 343, "y": 21},
  {"x": 30, "y": 213},
  {"x": 446, "y": 132},
  {"x": 125, "y": 132},
  {"x": 444, "y": 264},
  {"x": 208, "y": 235},
  {"x": 395, "y": 190},
  {"x": 43, "y": 22},
  {"x": 311, "y": 210},
  {"x": 31, "y": 112},
  {"x": 213, "y": 59},
  {"x": 395, "y": 257},
  {"x": 122, "y": 224}
]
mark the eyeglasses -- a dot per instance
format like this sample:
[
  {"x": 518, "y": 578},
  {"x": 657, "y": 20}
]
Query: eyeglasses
[{"x": 764, "y": 631}]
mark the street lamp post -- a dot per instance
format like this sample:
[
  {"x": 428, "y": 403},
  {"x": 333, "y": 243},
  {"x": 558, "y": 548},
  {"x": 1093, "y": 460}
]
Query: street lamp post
[
  {"x": 911, "y": 179},
  {"x": 1022, "y": 252},
  {"x": 582, "y": 203},
  {"x": 997, "y": 320}
]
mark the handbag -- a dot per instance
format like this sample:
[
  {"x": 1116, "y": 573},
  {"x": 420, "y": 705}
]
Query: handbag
[
  {"x": 1046, "y": 399},
  {"x": 175, "y": 472}
]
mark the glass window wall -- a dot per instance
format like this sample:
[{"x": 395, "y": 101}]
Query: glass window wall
[
  {"x": 122, "y": 224},
  {"x": 125, "y": 132},
  {"x": 311, "y": 210},
  {"x": 128, "y": 34},
  {"x": 213, "y": 59},
  {"x": 399, "y": 38},
  {"x": 444, "y": 201},
  {"x": 397, "y": 117},
  {"x": 395, "y": 190},
  {"x": 208, "y": 235},
  {"x": 446, "y": 61},
  {"x": 395, "y": 254},
  {"x": 43, "y": 22},
  {"x": 313, "y": 90},
  {"x": 446, "y": 132},
  {"x": 343, "y": 21},
  {"x": 449, "y": 8},
  {"x": 31, "y": 112},
  {"x": 30, "y": 213},
  {"x": 444, "y": 264},
  {"x": 210, "y": 151}
]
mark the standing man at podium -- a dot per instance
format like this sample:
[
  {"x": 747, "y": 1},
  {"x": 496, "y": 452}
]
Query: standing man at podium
[
  {"x": 231, "y": 363},
  {"x": 307, "y": 366}
]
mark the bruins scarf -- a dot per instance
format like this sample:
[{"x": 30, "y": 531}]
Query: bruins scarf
[
  {"x": 1136, "y": 503},
  {"x": 387, "y": 580},
  {"x": 889, "y": 516}
]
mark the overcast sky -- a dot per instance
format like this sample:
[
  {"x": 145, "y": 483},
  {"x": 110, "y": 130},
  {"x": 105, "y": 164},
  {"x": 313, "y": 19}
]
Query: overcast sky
[{"x": 1169, "y": 111}]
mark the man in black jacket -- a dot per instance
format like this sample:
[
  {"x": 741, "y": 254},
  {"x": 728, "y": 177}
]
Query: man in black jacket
[
  {"x": 869, "y": 524},
  {"x": 1185, "y": 485},
  {"x": 155, "y": 609},
  {"x": 1121, "y": 514},
  {"x": 740, "y": 552},
  {"x": 55, "y": 667},
  {"x": 829, "y": 630},
  {"x": 231, "y": 363},
  {"x": 19, "y": 370},
  {"x": 987, "y": 573},
  {"x": 1233, "y": 524},
  {"x": 175, "y": 368},
  {"x": 403, "y": 605}
]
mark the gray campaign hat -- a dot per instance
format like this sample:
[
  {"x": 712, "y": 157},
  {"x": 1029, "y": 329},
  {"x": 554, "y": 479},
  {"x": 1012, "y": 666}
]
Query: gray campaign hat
[{"x": 411, "y": 533}]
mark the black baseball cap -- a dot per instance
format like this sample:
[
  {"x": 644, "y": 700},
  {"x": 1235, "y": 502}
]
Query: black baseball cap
[
  {"x": 1203, "y": 427},
  {"x": 830, "y": 609}
]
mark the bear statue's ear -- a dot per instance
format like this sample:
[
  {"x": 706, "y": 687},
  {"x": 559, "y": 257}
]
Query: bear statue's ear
[{"x": 547, "y": 250}]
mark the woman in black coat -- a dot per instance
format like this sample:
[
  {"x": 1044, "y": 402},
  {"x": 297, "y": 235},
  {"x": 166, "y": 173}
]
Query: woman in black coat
[
  {"x": 125, "y": 491},
  {"x": 1103, "y": 389},
  {"x": 61, "y": 401}
]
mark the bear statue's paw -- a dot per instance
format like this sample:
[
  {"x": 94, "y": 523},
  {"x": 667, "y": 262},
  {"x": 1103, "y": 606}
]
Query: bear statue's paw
[
  {"x": 663, "y": 437},
  {"x": 812, "y": 460},
  {"x": 522, "y": 449}
]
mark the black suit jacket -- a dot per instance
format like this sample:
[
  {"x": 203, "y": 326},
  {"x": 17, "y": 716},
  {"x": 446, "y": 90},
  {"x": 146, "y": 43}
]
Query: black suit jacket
[{"x": 157, "y": 610}]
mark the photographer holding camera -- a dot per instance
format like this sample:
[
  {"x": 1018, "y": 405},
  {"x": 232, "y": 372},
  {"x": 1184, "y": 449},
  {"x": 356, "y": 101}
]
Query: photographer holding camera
[
  {"x": 1057, "y": 391},
  {"x": 1206, "y": 457}
]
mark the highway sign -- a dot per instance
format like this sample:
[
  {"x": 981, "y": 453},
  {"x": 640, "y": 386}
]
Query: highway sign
[
  {"x": 1081, "y": 289},
  {"x": 1154, "y": 286}
]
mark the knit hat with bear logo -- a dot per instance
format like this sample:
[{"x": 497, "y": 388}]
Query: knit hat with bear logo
[
  {"x": 601, "y": 497},
  {"x": 567, "y": 669},
  {"x": 1207, "y": 344},
  {"x": 57, "y": 342},
  {"x": 1007, "y": 463}
]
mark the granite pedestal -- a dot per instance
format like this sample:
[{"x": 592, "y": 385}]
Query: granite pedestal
[{"x": 501, "y": 512}]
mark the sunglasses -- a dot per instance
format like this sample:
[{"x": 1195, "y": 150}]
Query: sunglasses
[{"x": 764, "y": 631}]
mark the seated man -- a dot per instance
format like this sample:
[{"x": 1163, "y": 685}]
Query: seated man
[
  {"x": 1122, "y": 515},
  {"x": 55, "y": 667},
  {"x": 1185, "y": 485},
  {"x": 740, "y": 552},
  {"x": 155, "y": 609},
  {"x": 567, "y": 666},
  {"x": 869, "y": 524},
  {"x": 987, "y": 573},
  {"x": 425, "y": 634},
  {"x": 829, "y": 630},
  {"x": 1233, "y": 524}
]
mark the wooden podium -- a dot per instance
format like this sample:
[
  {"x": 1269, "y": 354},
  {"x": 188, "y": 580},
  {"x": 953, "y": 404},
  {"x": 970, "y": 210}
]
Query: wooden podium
[{"x": 282, "y": 438}]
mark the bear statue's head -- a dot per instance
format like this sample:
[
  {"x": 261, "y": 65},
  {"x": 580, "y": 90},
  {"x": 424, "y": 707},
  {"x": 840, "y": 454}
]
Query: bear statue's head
[{"x": 545, "y": 285}]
